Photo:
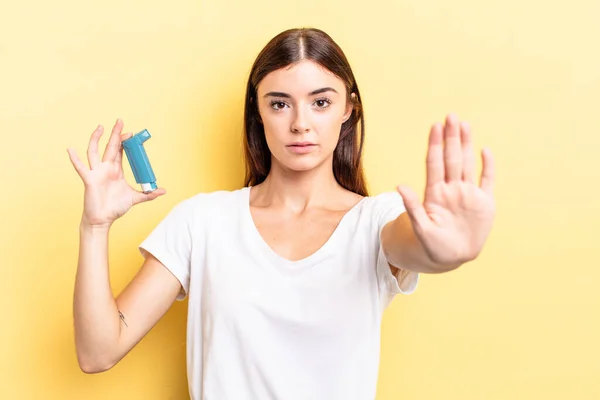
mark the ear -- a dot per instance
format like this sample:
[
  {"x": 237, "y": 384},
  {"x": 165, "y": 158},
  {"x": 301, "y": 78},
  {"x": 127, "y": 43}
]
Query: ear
[{"x": 349, "y": 107}]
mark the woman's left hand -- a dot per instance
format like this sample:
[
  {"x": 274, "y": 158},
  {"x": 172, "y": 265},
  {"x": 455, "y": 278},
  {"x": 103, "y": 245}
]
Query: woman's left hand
[{"x": 455, "y": 218}]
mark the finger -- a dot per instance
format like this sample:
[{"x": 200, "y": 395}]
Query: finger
[
  {"x": 414, "y": 208},
  {"x": 143, "y": 197},
  {"x": 92, "y": 153},
  {"x": 112, "y": 147},
  {"x": 488, "y": 173},
  {"x": 119, "y": 157},
  {"x": 468, "y": 169},
  {"x": 452, "y": 149},
  {"x": 435, "y": 156},
  {"x": 77, "y": 164}
]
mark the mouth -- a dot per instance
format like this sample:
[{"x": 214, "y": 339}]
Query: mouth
[
  {"x": 302, "y": 147},
  {"x": 302, "y": 144}
]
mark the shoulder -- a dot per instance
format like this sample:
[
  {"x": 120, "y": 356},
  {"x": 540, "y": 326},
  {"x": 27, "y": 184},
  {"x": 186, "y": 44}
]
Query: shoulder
[
  {"x": 202, "y": 208},
  {"x": 215, "y": 198},
  {"x": 385, "y": 205},
  {"x": 212, "y": 203},
  {"x": 385, "y": 200},
  {"x": 194, "y": 216}
]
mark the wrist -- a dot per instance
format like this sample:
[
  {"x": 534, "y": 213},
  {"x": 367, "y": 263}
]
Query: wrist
[{"x": 86, "y": 227}]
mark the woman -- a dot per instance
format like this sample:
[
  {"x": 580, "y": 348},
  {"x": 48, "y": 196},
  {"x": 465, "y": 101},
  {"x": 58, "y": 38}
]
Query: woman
[{"x": 288, "y": 276}]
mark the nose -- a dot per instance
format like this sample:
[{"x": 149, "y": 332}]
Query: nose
[{"x": 300, "y": 122}]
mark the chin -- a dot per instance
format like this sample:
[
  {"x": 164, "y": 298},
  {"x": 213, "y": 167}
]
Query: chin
[{"x": 300, "y": 164}]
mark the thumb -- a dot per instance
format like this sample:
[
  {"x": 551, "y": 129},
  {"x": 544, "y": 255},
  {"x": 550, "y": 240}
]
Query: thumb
[
  {"x": 413, "y": 206},
  {"x": 142, "y": 197}
]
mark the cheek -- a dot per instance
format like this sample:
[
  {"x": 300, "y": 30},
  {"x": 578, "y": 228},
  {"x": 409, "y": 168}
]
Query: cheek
[
  {"x": 275, "y": 128},
  {"x": 276, "y": 131},
  {"x": 269, "y": 121},
  {"x": 330, "y": 125}
]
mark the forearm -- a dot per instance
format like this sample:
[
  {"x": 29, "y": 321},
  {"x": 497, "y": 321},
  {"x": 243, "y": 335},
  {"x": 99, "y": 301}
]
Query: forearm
[
  {"x": 97, "y": 322},
  {"x": 403, "y": 249}
]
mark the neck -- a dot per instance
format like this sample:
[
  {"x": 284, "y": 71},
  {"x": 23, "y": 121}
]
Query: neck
[{"x": 297, "y": 190}]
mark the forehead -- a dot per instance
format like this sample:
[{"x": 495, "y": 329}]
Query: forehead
[{"x": 300, "y": 79}]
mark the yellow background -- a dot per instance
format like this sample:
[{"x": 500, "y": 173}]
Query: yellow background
[{"x": 521, "y": 322}]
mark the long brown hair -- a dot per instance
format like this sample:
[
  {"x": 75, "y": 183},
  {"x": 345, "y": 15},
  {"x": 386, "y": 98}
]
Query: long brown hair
[{"x": 289, "y": 47}]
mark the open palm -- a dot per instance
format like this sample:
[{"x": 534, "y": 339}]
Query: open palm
[
  {"x": 107, "y": 196},
  {"x": 456, "y": 215}
]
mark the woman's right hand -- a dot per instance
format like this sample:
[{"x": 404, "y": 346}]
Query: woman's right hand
[{"x": 107, "y": 195}]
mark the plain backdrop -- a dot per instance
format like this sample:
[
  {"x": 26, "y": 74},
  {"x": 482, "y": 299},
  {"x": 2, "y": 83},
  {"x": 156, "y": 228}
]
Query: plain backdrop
[{"x": 520, "y": 322}]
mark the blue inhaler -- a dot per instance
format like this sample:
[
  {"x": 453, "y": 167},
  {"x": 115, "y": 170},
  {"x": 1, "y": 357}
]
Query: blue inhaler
[{"x": 138, "y": 160}]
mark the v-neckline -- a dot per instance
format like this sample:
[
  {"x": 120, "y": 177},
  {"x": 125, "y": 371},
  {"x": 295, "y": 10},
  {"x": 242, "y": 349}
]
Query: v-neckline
[{"x": 275, "y": 257}]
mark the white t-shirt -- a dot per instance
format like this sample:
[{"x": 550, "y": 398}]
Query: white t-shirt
[{"x": 263, "y": 327}]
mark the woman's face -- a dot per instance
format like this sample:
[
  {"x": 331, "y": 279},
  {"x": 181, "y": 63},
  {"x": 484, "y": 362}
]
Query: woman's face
[{"x": 302, "y": 108}]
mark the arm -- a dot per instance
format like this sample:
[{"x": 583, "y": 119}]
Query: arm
[
  {"x": 451, "y": 226},
  {"x": 105, "y": 329},
  {"x": 102, "y": 336}
]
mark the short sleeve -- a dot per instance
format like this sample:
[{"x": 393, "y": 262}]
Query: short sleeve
[
  {"x": 171, "y": 243},
  {"x": 389, "y": 206}
]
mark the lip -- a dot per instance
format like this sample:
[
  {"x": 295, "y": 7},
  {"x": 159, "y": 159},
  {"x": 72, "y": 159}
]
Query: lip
[
  {"x": 302, "y": 144},
  {"x": 302, "y": 147}
]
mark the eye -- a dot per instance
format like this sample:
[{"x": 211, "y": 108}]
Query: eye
[
  {"x": 277, "y": 105},
  {"x": 322, "y": 103}
]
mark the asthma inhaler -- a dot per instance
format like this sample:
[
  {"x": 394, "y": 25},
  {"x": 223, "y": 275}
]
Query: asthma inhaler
[{"x": 138, "y": 160}]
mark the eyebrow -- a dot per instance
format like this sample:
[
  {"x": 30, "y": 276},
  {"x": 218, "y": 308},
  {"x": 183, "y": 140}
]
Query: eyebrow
[{"x": 318, "y": 91}]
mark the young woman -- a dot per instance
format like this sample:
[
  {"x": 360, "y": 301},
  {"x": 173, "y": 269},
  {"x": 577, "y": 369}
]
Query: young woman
[{"x": 288, "y": 276}]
